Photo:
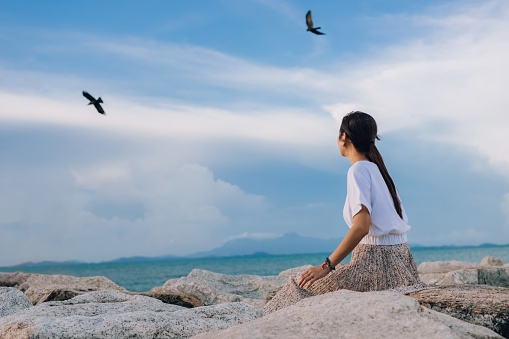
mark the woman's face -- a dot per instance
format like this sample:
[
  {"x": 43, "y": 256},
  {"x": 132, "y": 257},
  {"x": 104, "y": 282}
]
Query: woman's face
[{"x": 342, "y": 143}]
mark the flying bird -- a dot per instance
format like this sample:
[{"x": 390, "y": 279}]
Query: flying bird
[
  {"x": 309, "y": 22},
  {"x": 93, "y": 101}
]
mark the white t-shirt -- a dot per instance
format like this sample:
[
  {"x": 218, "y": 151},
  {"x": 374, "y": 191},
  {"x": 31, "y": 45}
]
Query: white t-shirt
[{"x": 366, "y": 186}]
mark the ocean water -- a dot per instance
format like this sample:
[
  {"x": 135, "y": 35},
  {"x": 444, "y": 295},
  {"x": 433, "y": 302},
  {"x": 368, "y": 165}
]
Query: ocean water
[{"x": 143, "y": 276}]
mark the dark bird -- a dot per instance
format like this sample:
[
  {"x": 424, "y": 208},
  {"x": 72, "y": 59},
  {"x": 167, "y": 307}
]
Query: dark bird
[
  {"x": 309, "y": 22},
  {"x": 96, "y": 103}
]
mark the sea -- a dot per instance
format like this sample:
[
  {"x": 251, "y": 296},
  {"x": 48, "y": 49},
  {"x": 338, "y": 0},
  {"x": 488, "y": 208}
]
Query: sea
[{"x": 143, "y": 276}]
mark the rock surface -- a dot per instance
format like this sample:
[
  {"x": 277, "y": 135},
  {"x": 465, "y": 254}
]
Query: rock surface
[
  {"x": 38, "y": 287},
  {"x": 12, "y": 300},
  {"x": 175, "y": 298},
  {"x": 492, "y": 261},
  {"x": 111, "y": 314},
  {"x": 348, "y": 314},
  {"x": 41, "y": 288},
  {"x": 216, "y": 288},
  {"x": 476, "y": 304},
  {"x": 444, "y": 273}
]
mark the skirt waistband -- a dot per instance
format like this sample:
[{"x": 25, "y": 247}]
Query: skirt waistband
[{"x": 388, "y": 239}]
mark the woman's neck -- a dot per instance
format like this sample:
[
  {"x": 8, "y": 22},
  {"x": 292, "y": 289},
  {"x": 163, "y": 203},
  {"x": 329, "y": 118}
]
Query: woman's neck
[{"x": 356, "y": 156}]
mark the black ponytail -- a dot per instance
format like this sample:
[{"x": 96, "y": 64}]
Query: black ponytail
[{"x": 361, "y": 129}]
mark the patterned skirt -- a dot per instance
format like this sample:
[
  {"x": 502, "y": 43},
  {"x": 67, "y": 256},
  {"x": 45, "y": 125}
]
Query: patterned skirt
[{"x": 371, "y": 268}]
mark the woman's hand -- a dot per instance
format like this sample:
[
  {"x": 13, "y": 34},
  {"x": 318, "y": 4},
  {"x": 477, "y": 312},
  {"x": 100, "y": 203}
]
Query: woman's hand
[{"x": 311, "y": 275}]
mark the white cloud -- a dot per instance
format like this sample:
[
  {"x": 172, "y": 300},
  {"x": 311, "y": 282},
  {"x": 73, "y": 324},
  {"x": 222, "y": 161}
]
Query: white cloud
[
  {"x": 447, "y": 85},
  {"x": 454, "y": 80},
  {"x": 504, "y": 205},
  {"x": 144, "y": 212}
]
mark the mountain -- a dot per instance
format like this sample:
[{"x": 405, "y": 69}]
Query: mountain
[
  {"x": 290, "y": 243},
  {"x": 142, "y": 259},
  {"x": 50, "y": 263}
]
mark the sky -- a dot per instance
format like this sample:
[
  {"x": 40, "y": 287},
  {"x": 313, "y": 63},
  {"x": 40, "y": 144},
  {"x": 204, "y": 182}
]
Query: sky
[{"x": 222, "y": 118}]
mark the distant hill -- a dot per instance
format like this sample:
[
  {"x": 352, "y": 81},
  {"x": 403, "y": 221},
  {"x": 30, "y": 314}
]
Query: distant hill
[
  {"x": 290, "y": 243},
  {"x": 142, "y": 259},
  {"x": 50, "y": 263}
]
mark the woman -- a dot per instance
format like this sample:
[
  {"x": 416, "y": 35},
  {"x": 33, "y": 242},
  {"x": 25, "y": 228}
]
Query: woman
[{"x": 381, "y": 258}]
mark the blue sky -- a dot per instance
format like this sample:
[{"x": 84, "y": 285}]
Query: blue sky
[{"x": 222, "y": 118}]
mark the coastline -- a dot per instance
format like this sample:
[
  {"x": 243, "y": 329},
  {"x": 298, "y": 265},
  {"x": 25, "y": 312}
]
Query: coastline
[
  {"x": 144, "y": 275},
  {"x": 472, "y": 299}
]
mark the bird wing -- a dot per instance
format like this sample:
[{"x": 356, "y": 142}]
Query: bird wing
[
  {"x": 309, "y": 21},
  {"x": 314, "y": 30},
  {"x": 99, "y": 108},
  {"x": 88, "y": 96}
]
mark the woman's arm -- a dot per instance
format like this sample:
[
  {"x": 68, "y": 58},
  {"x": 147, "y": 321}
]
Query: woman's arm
[{"x": 360, "y": 228}]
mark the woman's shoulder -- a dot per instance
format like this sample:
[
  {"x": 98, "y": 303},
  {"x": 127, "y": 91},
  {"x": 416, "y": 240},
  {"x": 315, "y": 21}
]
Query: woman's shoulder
[
  {"x": 361, "y": 169},
  {"x": 363, "y": 166}
]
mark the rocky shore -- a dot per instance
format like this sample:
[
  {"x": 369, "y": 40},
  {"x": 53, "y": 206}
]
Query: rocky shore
[{"x": 467, "y": 300}]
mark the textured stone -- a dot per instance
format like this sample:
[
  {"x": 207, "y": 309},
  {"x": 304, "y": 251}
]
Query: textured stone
[
  {"x": 348, "y": 314},
  {"x": 215, "y": 288},
  {"x": 178, "y": 298},
  {"x": 477, "y": 304},
  {"x": 38, "y": 286},
  {"x": 58, "y": 295},
  {"x": 447, "y": 266},
  {"x": 110, "y": 314},
  {"x": 492, "y": 261},
  {"x": 12, "y": 300},
  {"x": 444, "y": 273}
]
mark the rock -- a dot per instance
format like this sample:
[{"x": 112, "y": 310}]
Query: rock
[
  {"x": 349, "y": 314},
  {"x": 59, "y": 295},
  {"x": 492, "y": 261},
  {"x": 216, "y": 288},
  {"x": 111, "y": 314},
  {"x": 446, "y": 273},
  {"x": 176, "y": 298},
  {"x": 477, "y": 304},
  {"x": 37, "y": 287},
  {"x": 12, "y": 300},
  {"x": 447, "y": 266}
]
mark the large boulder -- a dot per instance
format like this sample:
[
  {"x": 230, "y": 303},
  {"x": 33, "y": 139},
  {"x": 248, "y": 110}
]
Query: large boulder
[
  {"x": 445, "y": 273},
  {"x": 110, "y": 314},
  {"x": 12, "y": 300},
  {"x": 216, "y": 288},
  {"x": 348, "y": 314},
  {"x": 175, "y": 298},
  {"x": 492, "y": 261},
  {"x": 477, "y": 304},
  {"x": 39, "y": 287}
]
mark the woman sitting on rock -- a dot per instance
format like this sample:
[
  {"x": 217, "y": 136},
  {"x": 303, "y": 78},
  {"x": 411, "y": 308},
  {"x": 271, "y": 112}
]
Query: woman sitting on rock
[{"x": 381, "y": 258}]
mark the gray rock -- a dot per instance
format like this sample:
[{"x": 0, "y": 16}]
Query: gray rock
[
  {"x": 37, "y": 287},
  {"x": 110, "y": 314},
  {"x": 59, "y": 295},
  {"x": 12, "y": 300},
  {"x": 445, "y": 273},
  {"x": 447, "y": 266},
  {"x": 175, "y": 298},
  {"x": 348, "y": 314},
  {"x": 492, "y": 261},
  {"x": 216, "y": 288},
  {"x": 477, "y": 304}
]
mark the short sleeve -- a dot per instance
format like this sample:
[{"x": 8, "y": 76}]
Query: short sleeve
[{"x": 359, "y": 190}]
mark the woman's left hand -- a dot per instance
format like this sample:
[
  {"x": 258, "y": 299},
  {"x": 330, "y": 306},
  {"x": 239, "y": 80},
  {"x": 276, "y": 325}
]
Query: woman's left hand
[{"x": 311, "y": 275}]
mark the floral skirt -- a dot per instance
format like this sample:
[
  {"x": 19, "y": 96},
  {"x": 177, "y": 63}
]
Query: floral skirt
[{"x": 371, "y": 268}]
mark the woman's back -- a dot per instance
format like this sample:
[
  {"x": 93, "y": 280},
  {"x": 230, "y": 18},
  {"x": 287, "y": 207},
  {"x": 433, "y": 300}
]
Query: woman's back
[{"x": 366, "y": 186}]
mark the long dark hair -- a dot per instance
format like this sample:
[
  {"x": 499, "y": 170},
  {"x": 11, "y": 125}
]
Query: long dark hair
[{"x": 361, "y": 129}]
